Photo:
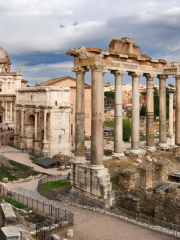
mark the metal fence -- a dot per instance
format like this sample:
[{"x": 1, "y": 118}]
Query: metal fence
[
  {"x": 155, "y": 224},
  {"x": 40, "y": 206}
]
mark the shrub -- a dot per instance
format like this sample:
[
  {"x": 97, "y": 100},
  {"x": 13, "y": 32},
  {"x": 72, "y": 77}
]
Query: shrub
[{"x": 126, "y": 129}]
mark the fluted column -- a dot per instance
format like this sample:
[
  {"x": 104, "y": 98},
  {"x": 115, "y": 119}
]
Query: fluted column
[
  {"x": 177, "y": 118},
  {"x": 15, "y": 121},
  {"x": 118, "y": 129},
  {"x": 35, "y": 125},
  {"x": 97, "y": 119},
  {"x": 45, "y": 116},
  {"x": 5, "y": 111},
  {"x": 150, "y": 112},
  {"x": 170, "y": 133},
  {"x": 10, "y": 112},
  {"x": 162, "y": 111},
  {"x": 135, "y": 113},
  {"x": 22, "y": 122},
  {"x": 80, "y": 116}
]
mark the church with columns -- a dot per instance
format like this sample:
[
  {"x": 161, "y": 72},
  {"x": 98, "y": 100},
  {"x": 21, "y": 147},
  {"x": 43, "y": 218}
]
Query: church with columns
[
  {"x": 123, "y": 56},
  {"x": 9, "y": 82}
]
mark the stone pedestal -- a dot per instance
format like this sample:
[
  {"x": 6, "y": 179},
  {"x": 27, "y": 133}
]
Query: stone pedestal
[
  {"x": 36, "y": 146},
  {"x": 92, "y": 184},
  {"x": 45, "y": 150}
]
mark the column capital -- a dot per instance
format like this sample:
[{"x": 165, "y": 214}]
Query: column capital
[
  {"x": 162, "y": 77},
  {"x": 134, "y": 74},
  {"x": 98, "y": 68},
  {"x": 118, "y": 72},
  {"x": 177, "y": 76},
  {"x": 150, "y": 76},
  {"x": 80, "y": 70}
]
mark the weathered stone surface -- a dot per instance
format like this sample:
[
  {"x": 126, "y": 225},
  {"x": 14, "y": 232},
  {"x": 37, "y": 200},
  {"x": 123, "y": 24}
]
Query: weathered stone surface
[
  {"x": 70, "y": 233},
  {"x": 44, "y": 123},
  {"x": 5, "y": 180}
]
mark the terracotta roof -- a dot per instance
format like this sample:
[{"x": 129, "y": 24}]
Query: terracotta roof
[
  {"x": 51, "y": 81},
  {"x": 23, "y": 80}
]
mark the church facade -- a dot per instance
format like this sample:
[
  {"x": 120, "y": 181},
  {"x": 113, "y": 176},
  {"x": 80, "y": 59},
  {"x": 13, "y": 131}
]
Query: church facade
[{"x": 9, "y": 82}]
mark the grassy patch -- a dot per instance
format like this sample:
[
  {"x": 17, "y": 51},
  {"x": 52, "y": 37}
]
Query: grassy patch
[
  {"x": 4, "y": 174},
  {"x": 55, "y": 184},
  {"x": 109, "y": 123},
  {"x": 14, "y": 147},
  {"x": 33, "y": 155},
  {"x": 20, "y": 168},
  {"x": 14, "y": 203}
]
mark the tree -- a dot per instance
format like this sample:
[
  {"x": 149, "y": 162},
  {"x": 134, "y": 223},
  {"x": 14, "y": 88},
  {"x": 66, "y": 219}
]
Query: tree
[
  {"x": 126, "y": 129},
  {"x": 143, "y": 111},
  {"x": 109, "y": 94}
]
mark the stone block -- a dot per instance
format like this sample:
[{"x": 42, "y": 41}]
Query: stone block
[
  {"x": 55, "y": 237},
  {"x": 70, "y": 233},
  {"x": 5, "y": 180}
]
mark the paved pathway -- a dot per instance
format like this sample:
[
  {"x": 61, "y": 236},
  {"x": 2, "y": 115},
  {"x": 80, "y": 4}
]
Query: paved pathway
[
  {"x": 91, "y": 225},
  {"x": 88, "y": 225},
  {"x": 18, "y": 156}
]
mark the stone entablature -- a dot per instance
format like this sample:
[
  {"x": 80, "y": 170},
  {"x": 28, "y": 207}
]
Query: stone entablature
[{"x": 42, "y": 120}]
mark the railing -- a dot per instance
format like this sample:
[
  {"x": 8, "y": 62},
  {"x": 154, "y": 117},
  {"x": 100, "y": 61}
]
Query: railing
[
  {"x": 58, "y": 213},
  {"x": 137, "y": 218}
]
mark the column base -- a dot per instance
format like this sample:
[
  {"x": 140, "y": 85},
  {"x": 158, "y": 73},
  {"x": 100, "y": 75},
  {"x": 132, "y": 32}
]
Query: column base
[
  {"x": 45, "y": 150},
  {"x": 117, "y": 155},
  {"x": 135, "y": 151},
  {"x": 80, "y": 160},
  {"x": 162, "y": 145},
  {"x": 170, "y": 139},
  {"x": 150, "y": 149},
  {"x": 96, "y": 167}
]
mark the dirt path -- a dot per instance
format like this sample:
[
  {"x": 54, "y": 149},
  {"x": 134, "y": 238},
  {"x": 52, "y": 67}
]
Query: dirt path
[{"x": 18, "y": 156}]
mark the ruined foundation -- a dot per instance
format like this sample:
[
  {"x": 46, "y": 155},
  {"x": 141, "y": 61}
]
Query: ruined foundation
[{"x": 91, "y": 187}]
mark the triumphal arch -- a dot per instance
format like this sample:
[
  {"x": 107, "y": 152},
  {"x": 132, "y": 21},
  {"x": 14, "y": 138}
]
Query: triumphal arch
[
  {"x": 123, "y": 56},
  {"x": 42, "y": 120}
]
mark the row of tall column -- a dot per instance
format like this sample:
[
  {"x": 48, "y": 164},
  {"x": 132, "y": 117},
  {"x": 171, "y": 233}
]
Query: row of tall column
[
  {"x": 97, "y": 118},
  {"x": 5, "y": 105}
]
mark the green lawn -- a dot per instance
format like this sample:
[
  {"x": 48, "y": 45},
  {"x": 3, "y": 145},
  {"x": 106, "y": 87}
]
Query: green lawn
[
  {"x": 4, "y": 174},
  {"x": 14, "y": 203},
  {"x": 109, "y": 123},
  {"x": 55, "y": 184}
]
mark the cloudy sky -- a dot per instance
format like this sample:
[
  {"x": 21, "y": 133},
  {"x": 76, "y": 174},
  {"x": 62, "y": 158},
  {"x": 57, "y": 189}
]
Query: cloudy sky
[{"x": 37, "y": 33}]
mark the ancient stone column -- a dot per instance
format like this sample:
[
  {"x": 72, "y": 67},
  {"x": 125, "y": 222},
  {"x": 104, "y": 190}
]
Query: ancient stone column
[
  {"x": 135, "y": 113},
  {"x": 162, "y": 111},
  {"x": 10, "y": 111},
  {"x": 150, "y": 112},
  {"x": 170, "y": 133},
  {"x": 22, "y": 122},
  {"x": 97, "y": 117},
  {"x": 80, "y": 117},
  {"x": 35, "y": 125},
  {"x": 177, "y": 115},
  {"x": 15, "y": 120},
  {"x": 118, "y": 129},
  {"x": 45, "y": 115},
  {"x": 5, "y": 111}
]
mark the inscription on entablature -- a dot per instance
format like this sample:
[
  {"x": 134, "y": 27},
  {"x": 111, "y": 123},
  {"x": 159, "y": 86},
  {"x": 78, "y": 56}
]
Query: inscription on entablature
[
  {"x": 146, "y": 67},
  {"x": 125, "y": 65},
  {"x": 170, "y": 70}
]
